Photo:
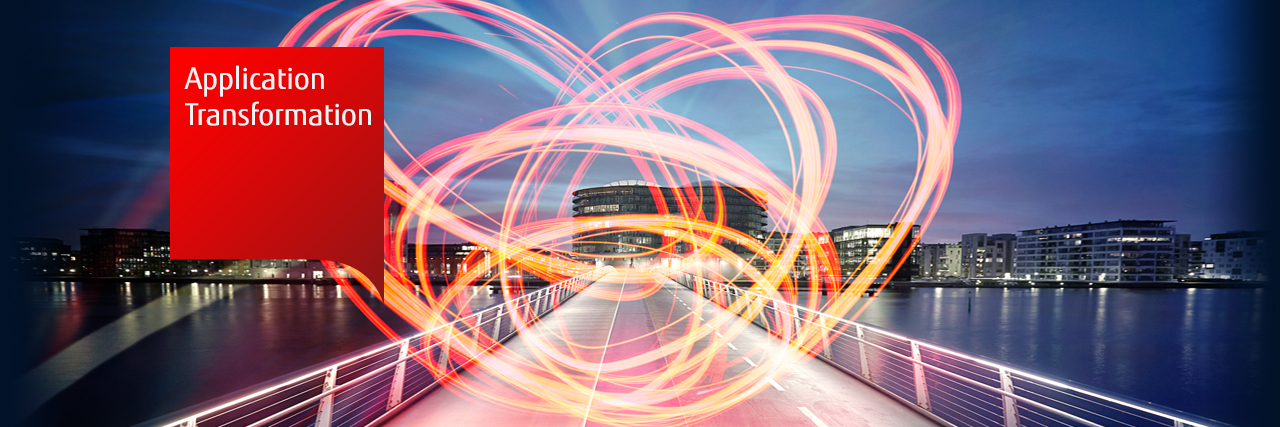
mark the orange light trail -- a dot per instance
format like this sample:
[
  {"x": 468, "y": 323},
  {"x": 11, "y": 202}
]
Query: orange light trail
[{"x": 615, "y": 111}]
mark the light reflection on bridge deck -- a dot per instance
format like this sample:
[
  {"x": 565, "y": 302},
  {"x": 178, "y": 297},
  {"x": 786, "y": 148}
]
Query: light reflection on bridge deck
[{"x": 814, "y": 394}]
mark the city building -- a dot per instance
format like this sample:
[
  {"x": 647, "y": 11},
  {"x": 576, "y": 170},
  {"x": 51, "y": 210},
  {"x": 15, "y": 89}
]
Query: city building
[
  {"x": 983, "y": 256},
  {"x": 1195, "y": 259},
  {"x": 744, "y": 210},
  {"x": 288, "y": 269},
  {"x": 39, "y": 256},
  {"x": 800, "y": 268},
  {"x": 1181, "y": 255},
  {"x": 121, "y": 252},
  {"x": 1236, "y": 255},
  {"x": 235, "y": 268},
  {"x": 939, "y": 260},
  {"x": 857, "y": 246},
  {"x": 1113, "y": 251},
  {"x": 447, "y": 261}
]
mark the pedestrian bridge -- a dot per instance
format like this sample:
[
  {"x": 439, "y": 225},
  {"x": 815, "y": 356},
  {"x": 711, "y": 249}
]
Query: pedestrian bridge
[{"x": 862, "y": 376}]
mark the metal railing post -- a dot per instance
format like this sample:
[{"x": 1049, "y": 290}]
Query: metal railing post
[
  {"x": 827, "y": 340},
  {"x": 795, "y": 317},
  {"x": 497, "y": 325},
  {"x": 354, "y": 390},
  {"x": 922, "y": 390},
  {"x": 326, "y": 403},
  {"x": 397, "y": 382},
  {"x": 1010, "y": 405},
  {"x": 763, "y": 318},
  {"x": 443, "y": 360},
  {"x": 862, "y": 354},
  {"x": 780, "y": 322}
]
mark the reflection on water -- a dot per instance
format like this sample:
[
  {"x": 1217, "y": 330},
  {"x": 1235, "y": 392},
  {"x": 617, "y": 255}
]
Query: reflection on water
[
  {"x": 76, "y": 360},
  {"x": 1195, "y": 350},
  {"x": 172, "y": 346},
  {"x": 181, "y": 344}
]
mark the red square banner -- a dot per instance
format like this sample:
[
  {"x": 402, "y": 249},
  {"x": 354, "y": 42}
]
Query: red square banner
[{"x": 276, "y": 153}]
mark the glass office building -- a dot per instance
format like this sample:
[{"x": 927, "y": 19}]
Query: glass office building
[
  {"x": 743, "y": 210},
  {"x": 857, "y": 246}
]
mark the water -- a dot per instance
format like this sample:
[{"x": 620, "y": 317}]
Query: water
[
  {"x": 1196, "y": 350},
  {"x": 209, "y": 341}
]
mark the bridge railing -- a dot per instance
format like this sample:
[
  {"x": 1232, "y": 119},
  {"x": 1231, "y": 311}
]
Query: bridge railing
[
  {"x": 369, "y": 387},
  {"x": 950, "y": 386}
]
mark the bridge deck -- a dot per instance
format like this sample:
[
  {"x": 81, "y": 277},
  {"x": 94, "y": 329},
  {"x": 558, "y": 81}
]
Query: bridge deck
[{"x": 814, "y": 394}]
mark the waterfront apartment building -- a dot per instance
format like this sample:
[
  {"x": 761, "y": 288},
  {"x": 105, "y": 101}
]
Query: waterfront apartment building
[
  {"x": 449, "y": 260},
  {"x": 120, "y": 252},
  {"x": 1237, "y": 255},
  {"x": 744, "y": 210},
  {"x": 983, "y": 256},
  {"x": 1195, "y": 259},
  {"x": 287, "y": 269},
  {"x": 857, "y": 246},
  {"x": 1182, "y": 254},
  {"x": 939, "y": 260},
  {"x": 1112, "y": 251},
  {"x": 40, "y": 256}
]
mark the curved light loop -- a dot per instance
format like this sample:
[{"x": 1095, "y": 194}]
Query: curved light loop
[{"x": 615, "y": 111}]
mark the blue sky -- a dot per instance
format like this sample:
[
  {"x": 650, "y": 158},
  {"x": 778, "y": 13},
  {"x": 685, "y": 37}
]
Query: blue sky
[{"x": 1072, "y": 112}]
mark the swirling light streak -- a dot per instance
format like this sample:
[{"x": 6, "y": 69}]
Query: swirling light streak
[{"x": 603, "y": 111}]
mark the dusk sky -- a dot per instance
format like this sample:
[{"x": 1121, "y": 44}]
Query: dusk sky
[{"x": 1072, "y": 113}]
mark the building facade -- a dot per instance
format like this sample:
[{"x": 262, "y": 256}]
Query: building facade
[
  {"x": 800, "y": 269},
  {"x": 120, "y": 252},
  {"x": 1181, "y": 256},
  {"x": 743, "y": 210},
  {"x": 1113, "y": 251},
  {"x": 1195, "y": 259},
  {"x": 983, "y": 256},
  {"x": 939, "y": 261},
  {"x": 39, "y": 256},
  {"x": 447, "y": 261},
  {"x": 1237, "y": 255},
  {"x": 857, "y": 246}
]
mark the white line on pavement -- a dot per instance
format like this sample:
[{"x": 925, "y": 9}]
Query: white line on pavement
[
  {"x": 812, "y": 417},
  {"x": 600, "y": 368}
]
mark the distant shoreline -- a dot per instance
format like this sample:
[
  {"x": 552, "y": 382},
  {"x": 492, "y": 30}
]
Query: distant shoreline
[
  {"x": 979, "y": 283},
  {"x": 224, "y": 280},
  {"x": 1001, "y": 284}
]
